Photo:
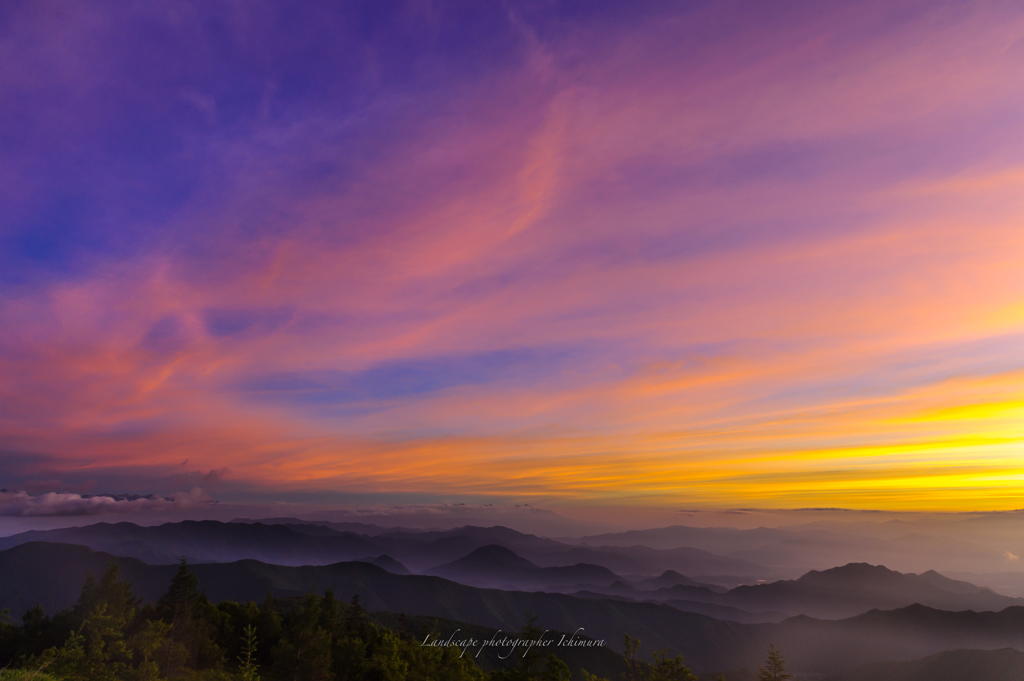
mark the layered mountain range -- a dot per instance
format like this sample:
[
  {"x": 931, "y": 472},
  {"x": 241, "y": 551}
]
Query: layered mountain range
[{"x": 829, "y": 622}]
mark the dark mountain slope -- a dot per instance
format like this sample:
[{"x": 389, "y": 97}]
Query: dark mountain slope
[
  {"x": 727, "y": 613},
  {"x": 368, "y": 529},
  {"x": 207, "y": 541},
  {"x": 795, "y": 549},
  {"x": 492, "y": 557},
  {"x": 319, "y": 544},
  {"x": 667, "y": 580},
  {"x": 835, "y": 593},
  {"x": 715, "y": 539},
  {"x": 694, "y": 561},
  {"x": 52, "y": 575},
  {"x": 519, "y": 542},
  {"x": 28, "y": 573},
  {"x": 1005, "y": 664},
  {"x": 31, "y": 573},
  {"x": 858, "y": 587},
  {"x": 388, "y": 563},
  {"x": 498, "y": 567}
]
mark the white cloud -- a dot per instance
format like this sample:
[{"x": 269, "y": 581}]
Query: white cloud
[
  {"x": 23, "y": 504},
  {"x": 1011, "y": 556}
]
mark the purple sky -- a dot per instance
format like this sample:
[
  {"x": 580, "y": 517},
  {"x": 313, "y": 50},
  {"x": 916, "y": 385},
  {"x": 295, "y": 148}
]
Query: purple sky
[{"x": 577, "y": 254}]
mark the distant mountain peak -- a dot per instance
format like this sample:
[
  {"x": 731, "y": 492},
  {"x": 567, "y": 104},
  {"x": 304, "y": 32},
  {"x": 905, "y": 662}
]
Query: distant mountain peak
[
  {"x": 848, "y": 571},
  {"x": 388, "y": 563},
  {"x": 496, "y": 553},
  {"x": 669, "y": 579}
]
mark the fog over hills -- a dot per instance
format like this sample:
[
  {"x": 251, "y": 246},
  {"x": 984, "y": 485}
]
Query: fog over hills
[
  {"x": 496, "y": 566},
  {"x": 712, "y": 556},
  {"x": 29, "y": 572},
  {"x": 208, "y": 541},
  {"x": 319, "y": 544},
  {"x": 852, "y": 589},
  {"x": 669, "y": 579},
  {"x": 1005, "y": 664},
  {"x": 902, "y": 545},
  {"x": 696, "y": 591}
]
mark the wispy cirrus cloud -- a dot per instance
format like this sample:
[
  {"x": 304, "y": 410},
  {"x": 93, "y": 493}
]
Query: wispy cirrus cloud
[{"x": 703, "y": 254}]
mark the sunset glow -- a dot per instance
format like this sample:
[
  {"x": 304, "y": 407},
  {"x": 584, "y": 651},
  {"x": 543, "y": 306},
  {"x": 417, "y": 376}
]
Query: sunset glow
[{"x": 672, "y": 254}]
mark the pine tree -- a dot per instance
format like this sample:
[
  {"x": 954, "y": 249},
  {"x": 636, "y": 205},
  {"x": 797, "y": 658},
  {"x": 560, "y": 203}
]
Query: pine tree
[
  {"x": 556, "y": 670},
  {"x": 186, "y": 609},
  {"x": 117, "y": 595},
  {"x": 88, "y": 599},
  {"x": 247, "y": 658},
  {"x": 665, "y": 668},
  {"x": 775, "y": 667},
  {"x": 97, "y": 648},
  {"x": 180, "y": 597}
]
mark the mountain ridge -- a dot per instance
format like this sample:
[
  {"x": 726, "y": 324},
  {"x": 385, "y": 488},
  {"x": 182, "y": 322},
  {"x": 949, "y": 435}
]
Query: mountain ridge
[{"x": 29, "y": 571}]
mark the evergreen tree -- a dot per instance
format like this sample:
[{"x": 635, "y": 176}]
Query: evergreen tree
[
  {"x": 304, "y": 652},
  {"x": 312, "y": 639},
  {"x": 88, "y": 598},
  {"x": 247, "y": 658},
  {"x": 528, "y": 668},
  {"x": 665, "y": 668},
  {"x": 181, "y": 596},
  {"x": 774, "y": 668},
  {"x": 117, "y": 595},
  {"x": 97, "y": 649},
  {"x": 556, "y": 670},
  {"x": 191, "y": 618}
]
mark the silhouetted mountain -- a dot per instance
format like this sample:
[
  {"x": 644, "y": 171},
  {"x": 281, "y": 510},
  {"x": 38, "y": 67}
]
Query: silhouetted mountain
[
  {"x": 858, "y": 587},
  {"x": 207, "y": 541},
  {"x": 727, "y": 613},
  {"x": 368, "y": 529},
  {"x": 1006, "y": 583},
  {"x": 720, "y": 540},
  {"x": 311, "y": 530},
  {"x": 30, "y": 573},
  {"x": 828, "y": 647},
  {"x": 388, "y": 563},
  {"x": 676, "y": 598},
  {"x": 844, "y": 592},
  {"x": 687, "y": 560},
  {"x": 519, "y": 542},
  {"x": 618, "y": 562},
  {"x": 835, "y": 593},
  {"x": 642, "y": 560},
  {"x": 671, "y": 578},
  {"x": 498, "y": 567},
  {"x": 320, "y": 544},
  {"x": 794, "y": 550},
  {"x": 51, "y": 575},
  {"x": 1005, "y": 664},
  {"x": 490, "y": 557},
  {"x": 421, "y": 550},
  {"x": 953, "y": 586},
  {"x": 684, "y": 591}
]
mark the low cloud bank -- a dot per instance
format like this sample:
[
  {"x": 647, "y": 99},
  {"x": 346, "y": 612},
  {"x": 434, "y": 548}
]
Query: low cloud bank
[{"x": 16, "y": 503}]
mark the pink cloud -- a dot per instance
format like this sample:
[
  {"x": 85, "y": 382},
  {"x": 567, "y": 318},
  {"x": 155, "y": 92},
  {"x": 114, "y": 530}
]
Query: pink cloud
[
  {"x": 730, "y": 241},
  {"x": 22, "y": 504}
]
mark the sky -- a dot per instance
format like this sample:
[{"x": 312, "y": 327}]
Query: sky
[{"x": 587, "y": 256}]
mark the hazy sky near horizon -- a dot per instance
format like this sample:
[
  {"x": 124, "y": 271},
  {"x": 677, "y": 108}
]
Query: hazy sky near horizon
[{"x": 677, "y": 254}]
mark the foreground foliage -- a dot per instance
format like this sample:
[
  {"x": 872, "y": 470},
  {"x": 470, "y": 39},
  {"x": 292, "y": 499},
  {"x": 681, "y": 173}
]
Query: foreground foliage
[
  {"x": 108, "y": 635},
  {"x": 774, "y": 668}
]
